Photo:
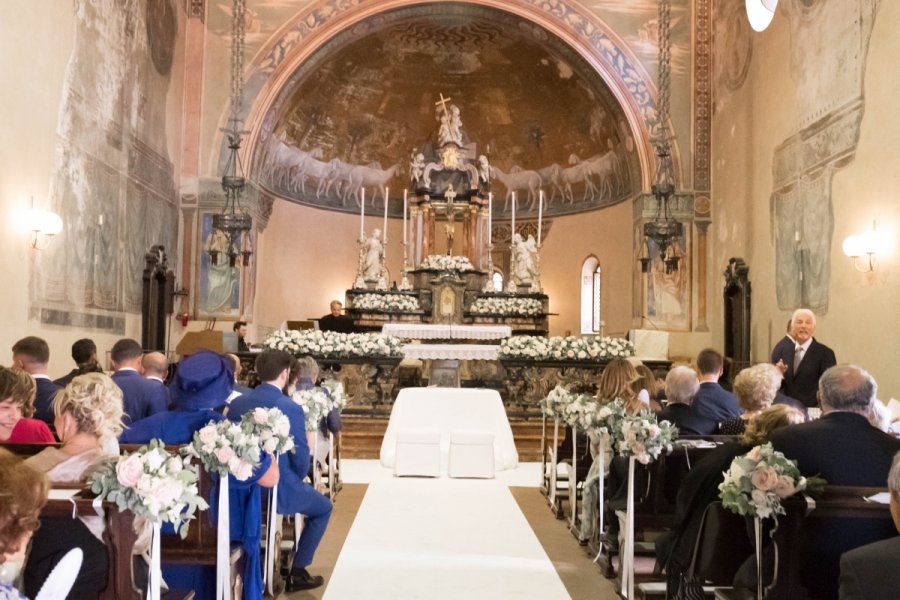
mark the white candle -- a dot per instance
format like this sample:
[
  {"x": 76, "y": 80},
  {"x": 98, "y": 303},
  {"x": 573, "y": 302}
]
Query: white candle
[
  {"x": 362, "y": 215},
  {"x": 540, "y": 214},
  {"x": 797, "y": 236},
  {"x": 404, "y": 217},
  {"x": 385, "y": 213},
  {"x": 513, "y": 233},
  {"x": 490, "y": 217}
]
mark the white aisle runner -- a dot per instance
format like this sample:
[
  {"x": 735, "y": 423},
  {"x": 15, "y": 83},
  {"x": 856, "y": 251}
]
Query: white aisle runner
[{"x": 438, "y": 539}]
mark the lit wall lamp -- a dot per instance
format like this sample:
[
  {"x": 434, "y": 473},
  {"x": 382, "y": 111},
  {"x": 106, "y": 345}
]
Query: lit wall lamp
[
  {"x": 864, "y": 245},
  {"x": 760, "y": 13},
  {"x": 43, "y": 224}
]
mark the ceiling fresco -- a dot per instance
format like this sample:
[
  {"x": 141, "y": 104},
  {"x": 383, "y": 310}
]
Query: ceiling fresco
[{"x": 365, "y": 103}]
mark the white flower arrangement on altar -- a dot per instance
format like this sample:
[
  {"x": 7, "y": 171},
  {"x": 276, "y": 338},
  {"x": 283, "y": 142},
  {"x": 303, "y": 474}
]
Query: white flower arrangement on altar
[
  {"x": 757, "y": 482},
  {"x": 386, "y": 303},
  {"x": 530, "y": 347},
  {"x": 271, "y": 427},
  {"x": 316, "y": 405},
  {"x": 643, "y": 438},
  {"x": 442, "y": 262},
  {"x": 331, "y": 344},
  {"x": 152, "y": 484},
  {"x": 527, "y": 307},
  {"x": 224, "y": 447}
]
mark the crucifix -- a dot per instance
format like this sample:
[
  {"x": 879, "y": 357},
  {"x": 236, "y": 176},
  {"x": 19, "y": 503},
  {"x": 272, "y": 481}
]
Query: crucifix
[
  {"x": 443, "y": 103},
  {"x": 449, "y": 229}
]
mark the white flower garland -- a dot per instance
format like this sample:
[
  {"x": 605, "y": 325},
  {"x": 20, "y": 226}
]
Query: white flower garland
[
  {"x": 442, "y": 262},
  {"x": 386, "y": 303},
  {"x": 530, "y": 347},
  {"x": 528, "y": 307},
  {"x": 331, "y": 344}
]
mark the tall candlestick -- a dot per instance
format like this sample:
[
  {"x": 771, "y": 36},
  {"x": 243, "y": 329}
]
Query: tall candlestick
[
  {"x": 490, "y": 217},
  {"x": 385, "y": 212},
  {"x": 540, "y": 214},
  {"x": 404, "y": 218},
  {"x": 362, "y": 215},
  {"x": 513, "y": 233}
]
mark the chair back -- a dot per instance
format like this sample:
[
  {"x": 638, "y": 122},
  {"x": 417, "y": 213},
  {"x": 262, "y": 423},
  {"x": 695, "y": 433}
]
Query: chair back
[{"x": 722, "y": 546}]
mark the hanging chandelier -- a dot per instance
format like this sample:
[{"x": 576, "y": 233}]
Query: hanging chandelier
[
  {"x": 664, "y": 232},
  {"x": 233, "y": 221}
]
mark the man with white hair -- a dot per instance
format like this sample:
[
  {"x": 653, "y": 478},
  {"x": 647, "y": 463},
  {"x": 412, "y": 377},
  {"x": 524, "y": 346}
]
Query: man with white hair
[
  {"x": 681, "y": 387},
  {"x": 844, "y": 449},
  {"x": 870, "y": 572},
  {"x": 803, "y": 362}
]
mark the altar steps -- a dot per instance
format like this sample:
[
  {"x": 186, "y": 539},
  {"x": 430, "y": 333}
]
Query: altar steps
[{"x": 362, "y": 435}]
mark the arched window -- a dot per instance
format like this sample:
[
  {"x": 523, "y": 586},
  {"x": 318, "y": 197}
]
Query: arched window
[
  {"x": 591, "y": 283},
  {"x": 497, "y": 280}
]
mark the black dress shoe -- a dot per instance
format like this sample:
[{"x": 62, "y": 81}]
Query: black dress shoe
[{"x": 300, "y": 579}]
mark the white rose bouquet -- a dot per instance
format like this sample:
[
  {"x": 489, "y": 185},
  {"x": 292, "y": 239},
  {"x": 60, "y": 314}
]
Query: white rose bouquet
[
  {"x": 556, "y": 400},
  {"x": 224, "y": 447},
  {"x": 571, "y": 348},
  {"x": 643, "y": 438},
  {"x": 336, "y": 393},
  {"x": 151, "y": 483},
  {"x": 271, "y": 427},
  {"x": 757, "y": 482},
  {"x": 331, "y": 344},
  {"x": 386, "y": 303},
  {"x": 526, "y": 307},
  {"x": 442, "y": 262},
  {"x": 316, "y": 404}
]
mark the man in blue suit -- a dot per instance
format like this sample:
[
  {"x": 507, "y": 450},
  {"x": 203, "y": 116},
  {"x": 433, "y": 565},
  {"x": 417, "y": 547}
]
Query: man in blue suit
[
  {"x": 295, "y": 495},
  {"x": 712, "y": 401},
  {"x": 32, "y": 355},
  {"x": 141, "y": 398}
]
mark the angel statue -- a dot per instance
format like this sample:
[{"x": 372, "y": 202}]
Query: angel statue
[
  {"x": 524, "y": 252},
  {"x": 416, "y": 166}
]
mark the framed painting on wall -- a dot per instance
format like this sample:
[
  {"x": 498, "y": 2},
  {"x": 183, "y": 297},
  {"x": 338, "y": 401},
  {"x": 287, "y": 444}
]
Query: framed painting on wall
[{"x": 219, "y": 285}]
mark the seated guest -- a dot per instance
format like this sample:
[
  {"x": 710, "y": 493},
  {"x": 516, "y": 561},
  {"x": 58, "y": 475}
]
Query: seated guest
[
  {"x": 199, "y": 389},
  {"x": 87, "y": 413},
  {"x": 16, "y": 408},
  {"x": 238, "y": 368},
  {"x": 155, "y": 367},
  {"x": 650, "y": 384},
  {"x": 84, "y": 353},
  {"x": 32, "y": 355},
  {"x": 307, "y": 375},
  {"x": 24, "y": 494},
  {"x": 755, "y": 387},
  {"x": 844, "y": 449},
  {"x": 681, "y": 388},
  {"x": 701, "y": 487},
  {"x": 142, "y": 398},
  {"x": 712, "y": 400},
  {"x": 870, "y": 572},
  {"x": 295, "y": 495},
  {"x": 335, "y": 321},
  {"x": 240, "y": 329}
]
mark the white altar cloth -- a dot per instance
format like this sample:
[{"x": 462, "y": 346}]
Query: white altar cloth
[
  {"x": 450, "y": 351},
  {"x": 446, "y": 409},
  {"x": 426, "y": 331}
]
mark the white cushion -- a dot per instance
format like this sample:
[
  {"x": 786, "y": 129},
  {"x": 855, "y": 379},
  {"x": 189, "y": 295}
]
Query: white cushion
[
  {"x": 418, "y": 453},
  {"x": 471, "y": 454}
]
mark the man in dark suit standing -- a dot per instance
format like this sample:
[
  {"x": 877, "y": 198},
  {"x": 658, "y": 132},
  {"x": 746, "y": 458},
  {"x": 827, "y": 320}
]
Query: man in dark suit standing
[
  {"x": 712, "y": 401},
  {"x": 870, "y": 572},
  {"x": 295, "y": 495},
  {"x": 804, "y": 363},
  {"x": 844, "y": 449},
  {"x": 32, "y": 355},
  {"x": 140, "y": 397}
]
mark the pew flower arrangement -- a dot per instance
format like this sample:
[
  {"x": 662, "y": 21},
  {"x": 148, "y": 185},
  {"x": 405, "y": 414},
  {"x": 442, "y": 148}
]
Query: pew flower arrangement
[
  {"x": 608, "y": 419},
  {"x": 152, "y": 484},
  {"x": 386, "y": 303},
  {"x": 224, "y": 447},
  {"x": 442, "y": 262},
  {"x": 331, "y": 344},
  {"x": 757, "y": 482},
  {"x": 643, "y": 438},
  {"x": 552, "y": 405},
  {"x": 316, "y": 405},
  {"x": 526, "y": 307},
  {"x": 335, "y": 390},
  {"x": 271, "y": 427},
  {"x": 572, "y": 348}
]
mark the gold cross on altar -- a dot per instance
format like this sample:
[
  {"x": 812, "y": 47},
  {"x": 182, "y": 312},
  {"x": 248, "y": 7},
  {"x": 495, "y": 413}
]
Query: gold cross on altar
[
  {"x": 443, "y": 103},
  {"x": 450, "y": 194}
]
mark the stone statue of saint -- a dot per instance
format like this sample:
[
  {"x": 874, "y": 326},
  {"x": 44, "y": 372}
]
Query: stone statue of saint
[
  {"x": 373, "y": 258},
  {"x": 416, "y": 166},
  {"x": 451, "y": 126},
  {"x": 523, "y": 263}
]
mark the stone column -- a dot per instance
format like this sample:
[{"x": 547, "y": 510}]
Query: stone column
[{"x": 702, "y": 227}]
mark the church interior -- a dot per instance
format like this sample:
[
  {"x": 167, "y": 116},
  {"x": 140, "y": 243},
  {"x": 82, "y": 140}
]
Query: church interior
[{"x": 780, "y": 150}]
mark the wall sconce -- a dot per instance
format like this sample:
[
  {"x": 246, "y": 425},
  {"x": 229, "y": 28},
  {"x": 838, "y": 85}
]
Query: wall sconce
[
  {"x": 760, "y": 13},
  {"x": 864, "y": 245},
  {"x": 43, "y": 224}
]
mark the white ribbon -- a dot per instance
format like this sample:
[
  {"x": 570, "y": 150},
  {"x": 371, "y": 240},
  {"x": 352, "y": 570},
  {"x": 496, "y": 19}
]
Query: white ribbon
[
  {"x": 601, "y": 460},
  {"x": 627, "y": 562},
  {"x": 554, "y": 460},
  {"x": 757, "y": 527},
  {"x": 155, "y": 569},
  {"x": 271, "y": 532},
  {"x": 331, "y": 468},
  {"x": 573, "y": 478},
  {"x": 223, "y": 544}
]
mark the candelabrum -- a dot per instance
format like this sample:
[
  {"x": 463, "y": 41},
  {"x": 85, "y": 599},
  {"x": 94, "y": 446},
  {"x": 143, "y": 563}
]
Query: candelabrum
[
  {"x": 536, "y": 282},
  {"x": 360, "y": 282},
  {"x": 404, "y": 282},
  {"x": 489, "y": 284}
]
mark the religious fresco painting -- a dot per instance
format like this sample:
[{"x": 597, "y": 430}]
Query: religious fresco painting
[
  {"x": 219, "y": 284},
  {"x": 366, "y": 112},
  {"x": 667, "y": 296}
]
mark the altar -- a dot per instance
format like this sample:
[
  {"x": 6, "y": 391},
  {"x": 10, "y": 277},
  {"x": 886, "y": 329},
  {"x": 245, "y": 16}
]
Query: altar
[{"x": 446, "y": 409}]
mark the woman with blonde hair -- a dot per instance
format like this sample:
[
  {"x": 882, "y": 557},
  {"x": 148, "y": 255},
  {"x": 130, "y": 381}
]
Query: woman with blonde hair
[
  {"x": 24, "y": 494},
  {"x": 17, "y": 391},
  {"x": 618, "y": 381},
  {"x": 88, "y": 418},
  {"x": 755, "y": 388}
]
